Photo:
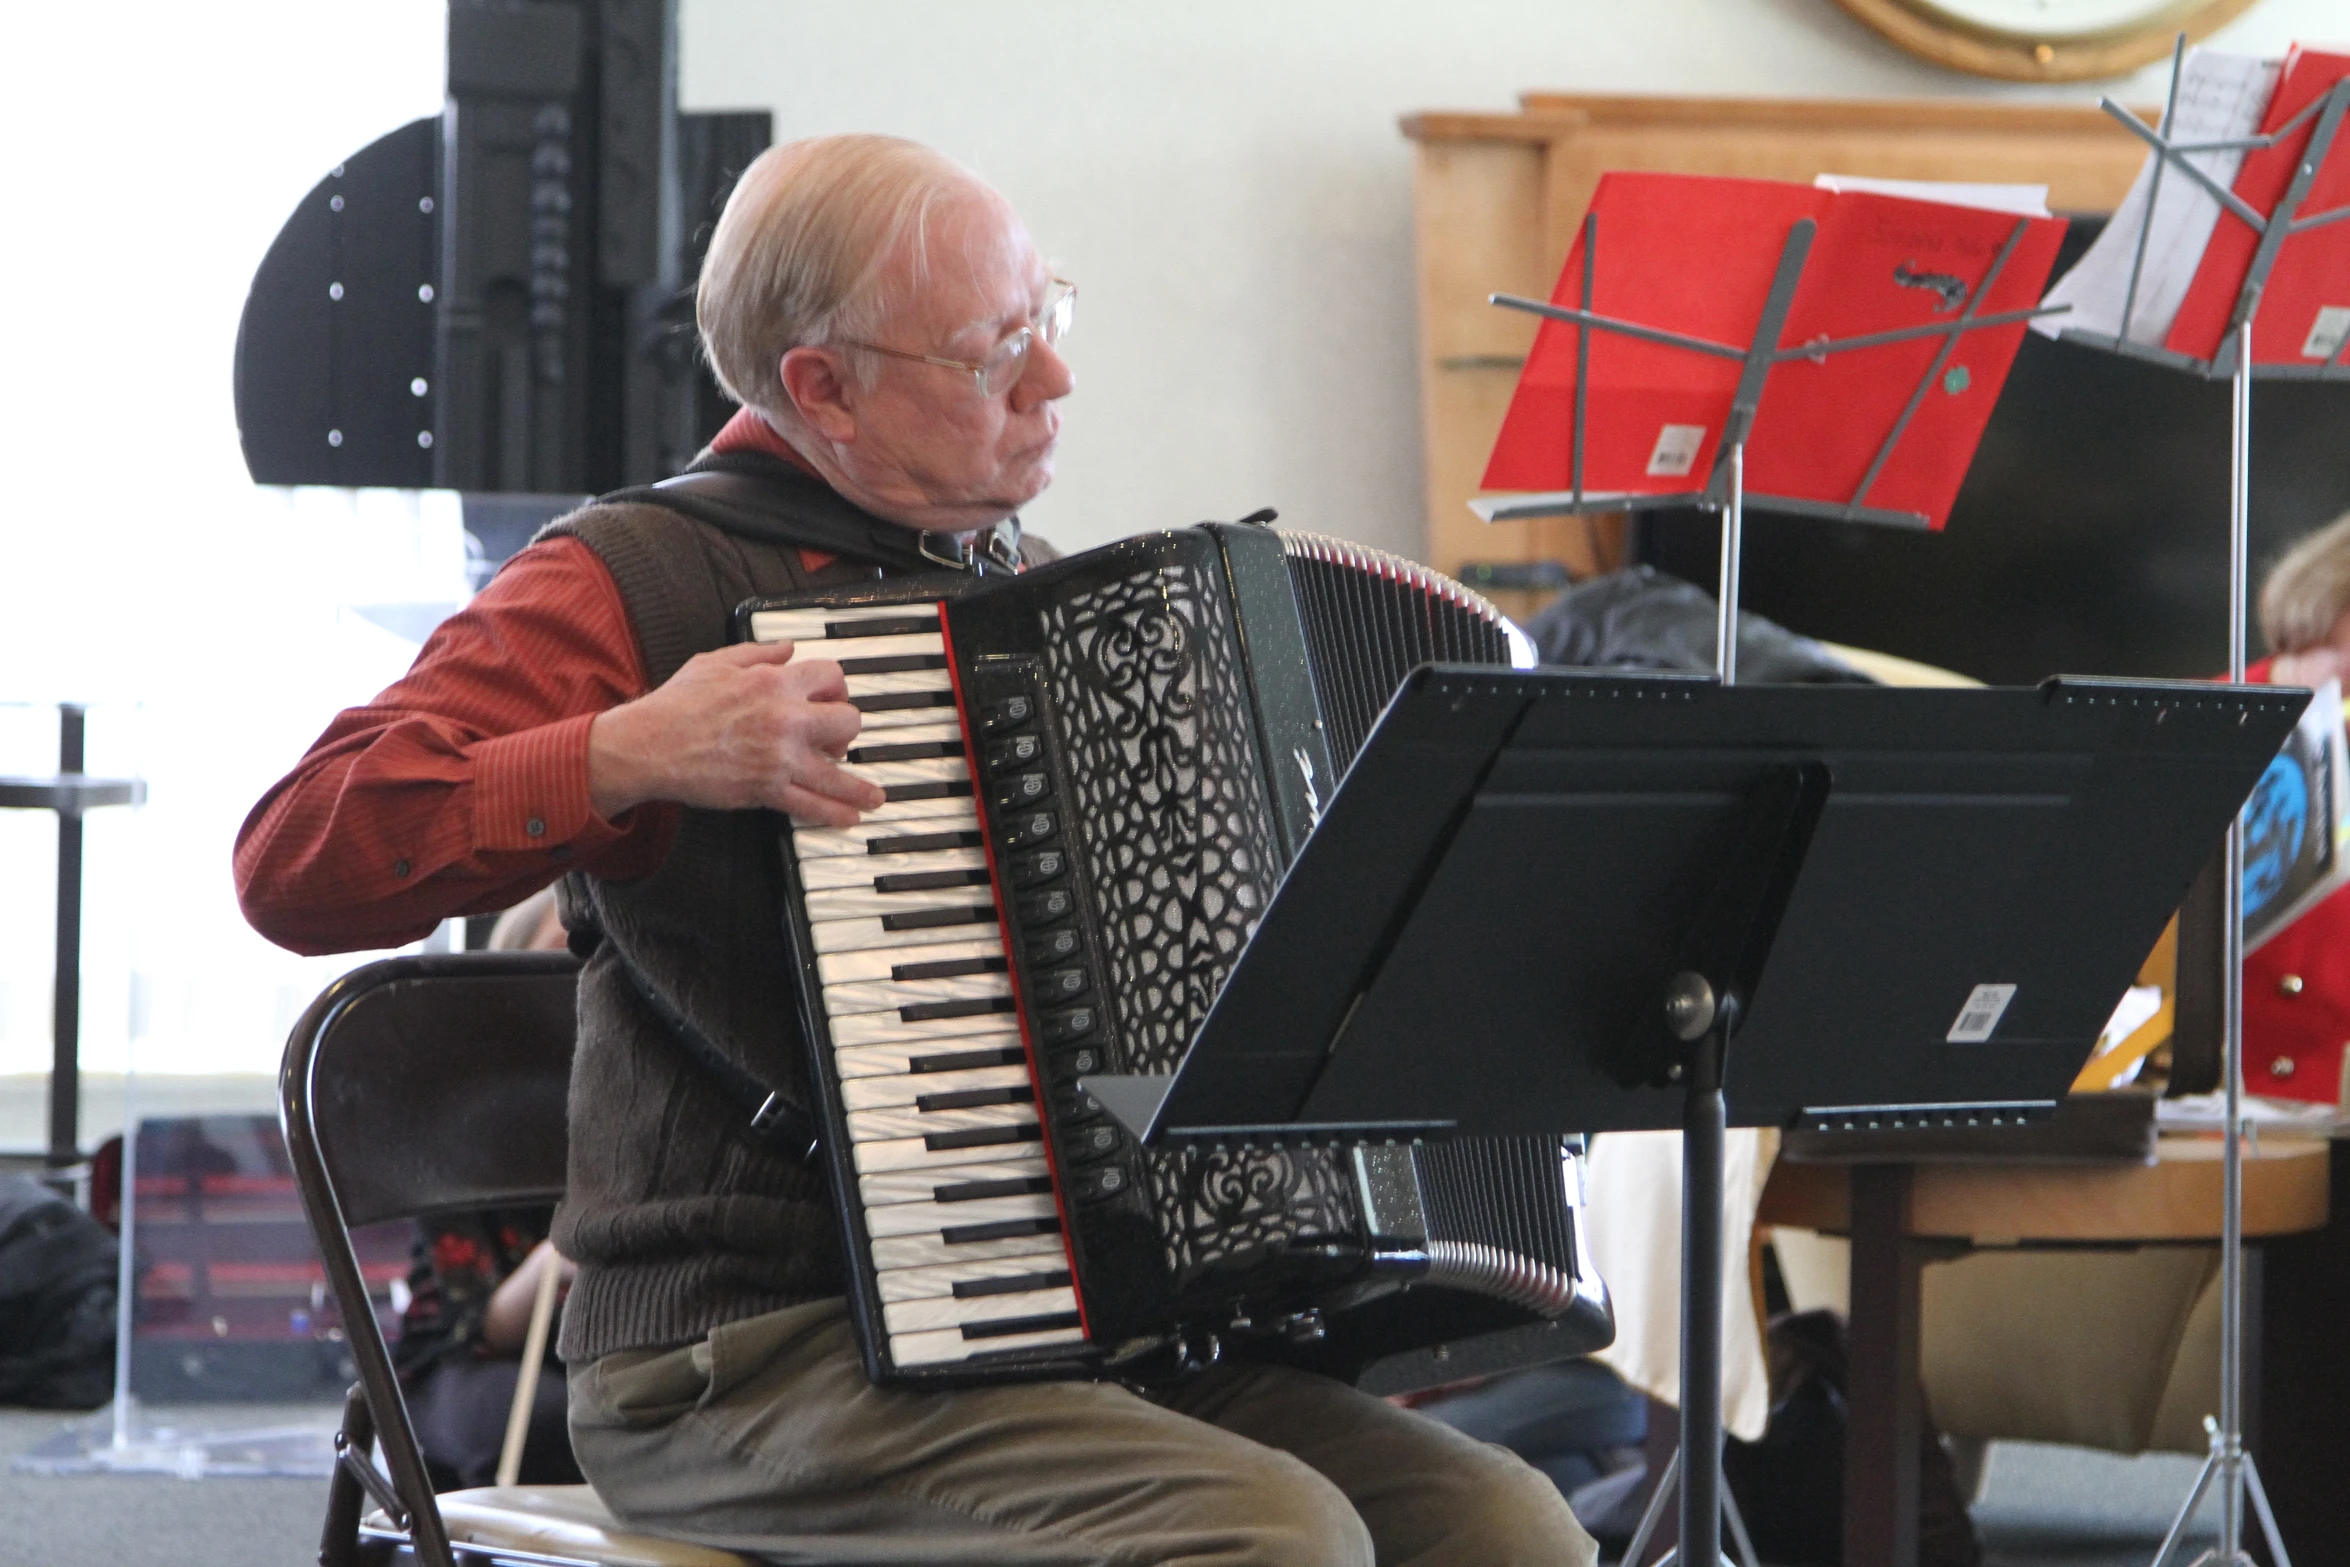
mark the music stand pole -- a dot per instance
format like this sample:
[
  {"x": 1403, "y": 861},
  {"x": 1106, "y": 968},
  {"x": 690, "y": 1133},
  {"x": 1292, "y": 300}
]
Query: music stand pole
[
  {"x": 1704, "y": 1125},
  {"x": 2231, "y": 1242},
  {"x": 2233, "y": 1469},
  {"x": 1726, "y": 599}
]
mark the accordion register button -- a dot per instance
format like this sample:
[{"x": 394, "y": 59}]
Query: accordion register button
[
  {"x": 1102, "y": 1181},
  {"x": 1022, "y": 790},
  {"x": 1019, "y": 751},
  {"x": 1083, "y": 1061},
  {"x": 1054, "y": 946},
  {"x": 1042, "y": 865},
  {"x": 1091, "y": 1142},
  {"x": 1029, "y": 827},
  {"x": 1044, "y": 908},
  {"x": 1010, "y": 713},
  {"x": 1069, "y": 1023},
  {"x": 1055, "y": 986}
]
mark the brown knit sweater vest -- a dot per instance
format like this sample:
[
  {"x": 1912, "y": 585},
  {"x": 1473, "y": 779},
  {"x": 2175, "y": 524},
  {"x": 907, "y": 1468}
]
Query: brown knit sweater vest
[{"x": 680, "y": 1219}]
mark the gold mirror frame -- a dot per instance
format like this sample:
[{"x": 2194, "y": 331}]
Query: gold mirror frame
[{"x": 1933, "y": 34}]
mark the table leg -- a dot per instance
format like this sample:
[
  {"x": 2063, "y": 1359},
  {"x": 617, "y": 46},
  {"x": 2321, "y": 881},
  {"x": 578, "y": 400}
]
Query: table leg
[
  {"x": 2297, "y": 1378},
  {"x": 1882, "y": 1394}
]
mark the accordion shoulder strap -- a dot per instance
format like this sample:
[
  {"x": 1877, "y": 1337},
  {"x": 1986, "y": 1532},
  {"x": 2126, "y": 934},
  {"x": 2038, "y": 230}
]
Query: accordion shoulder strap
[
  {"x": 773, "y": 1120},
  {"x": 760, "y": 497}
]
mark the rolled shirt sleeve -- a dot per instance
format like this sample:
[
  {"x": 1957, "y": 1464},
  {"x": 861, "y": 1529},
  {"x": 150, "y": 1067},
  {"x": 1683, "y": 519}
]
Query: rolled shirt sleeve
[{"x": 464, "y": 787}]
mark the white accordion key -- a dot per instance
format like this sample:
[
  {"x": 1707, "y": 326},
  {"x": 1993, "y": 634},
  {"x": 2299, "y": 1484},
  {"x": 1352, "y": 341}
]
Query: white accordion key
[
  {"x": 977, "y": 913},
  {"x": 929, "y": 1251},
  {"x": 882, "y": 726},
  {"x": 932, "y": 770},
  {"x": 959, "y": 822},
  {"x": 917, "y": 1057},
  {"x": 936, "y": 727},
  {"x": 928, "y": 1283},
  {"x": 951, "y": 820},
  {"x": 837, "y": 626},
  {"x": 947, "y": 1219},
  {"x": 985, "y": 955},
  {"x": 915, "y": 1153},
  {"x": 945, "y": 1311},
  {"x": 955, "y": 1183},
  {"x": 945, "y": 1033},
  {"x": 857, "y": 903},
  {"x": 881, "y": 1093},
  {"x": 878, "y": 1126},
  {"x": 850, "y": 652},
  {"x": 865, "y": 870},
  {"x": 895, "y": 996},
  {"x": 948, "y": 1345},
  {"x": 899, "y": 683}
]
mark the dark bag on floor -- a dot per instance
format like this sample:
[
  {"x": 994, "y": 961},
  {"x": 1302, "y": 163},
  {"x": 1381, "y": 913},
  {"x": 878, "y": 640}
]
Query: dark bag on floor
[
  {"x": 1790, "y": 1483},
  {"x": 57, "y": 1294}
]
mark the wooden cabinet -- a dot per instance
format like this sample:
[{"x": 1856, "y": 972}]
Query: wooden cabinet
[{"x": 1497, "y": 198}]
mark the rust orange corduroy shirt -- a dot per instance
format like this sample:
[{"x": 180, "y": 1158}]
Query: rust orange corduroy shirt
[{"x": 463, "y": 789}]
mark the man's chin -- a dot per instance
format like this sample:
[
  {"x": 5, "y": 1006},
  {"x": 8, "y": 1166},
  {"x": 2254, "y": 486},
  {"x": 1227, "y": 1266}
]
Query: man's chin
[{"x": 1029, "y": 479}]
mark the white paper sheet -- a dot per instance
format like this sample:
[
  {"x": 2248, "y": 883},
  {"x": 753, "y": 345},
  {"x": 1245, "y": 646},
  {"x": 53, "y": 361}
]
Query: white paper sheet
[
  {"x": 2025, "y": 201},
  {"x": 2221, "y": 97}
]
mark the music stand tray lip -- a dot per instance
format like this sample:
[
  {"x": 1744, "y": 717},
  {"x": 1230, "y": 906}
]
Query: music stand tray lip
[{"x": 1927, "y": 1110}]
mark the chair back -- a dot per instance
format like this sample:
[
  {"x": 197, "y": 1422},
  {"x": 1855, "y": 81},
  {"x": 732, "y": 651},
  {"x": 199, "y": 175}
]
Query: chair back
[{"x": 413, "y": 1085}]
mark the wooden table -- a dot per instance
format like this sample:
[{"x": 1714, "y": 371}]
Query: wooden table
[{"x": 2297, "y": 1288}]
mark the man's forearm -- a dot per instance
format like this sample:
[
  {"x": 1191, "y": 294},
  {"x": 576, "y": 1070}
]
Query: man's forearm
[
  {"x": 463, "y": 788},
  {"x": 390, "y": 828}
]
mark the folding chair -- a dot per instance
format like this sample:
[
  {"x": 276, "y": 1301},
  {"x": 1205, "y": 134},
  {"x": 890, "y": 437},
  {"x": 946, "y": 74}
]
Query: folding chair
[{"x": 421, "y": 1084}]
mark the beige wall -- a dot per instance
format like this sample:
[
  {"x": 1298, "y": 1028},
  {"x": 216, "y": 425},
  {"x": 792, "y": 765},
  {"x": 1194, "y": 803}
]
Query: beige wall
[{"x": 1226, "y": 181}]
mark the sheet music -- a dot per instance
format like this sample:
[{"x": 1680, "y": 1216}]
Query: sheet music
[
  {"x": 2025, "y": 201},
  {"x": 2221, "y": 97}
]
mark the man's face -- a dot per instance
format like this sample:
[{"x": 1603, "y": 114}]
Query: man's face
[{"x": 930, "y": 449}]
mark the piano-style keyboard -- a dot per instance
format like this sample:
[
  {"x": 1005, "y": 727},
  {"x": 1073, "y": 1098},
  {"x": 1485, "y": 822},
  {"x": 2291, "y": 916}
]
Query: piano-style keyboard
[{"x": 956, "y": 1190}]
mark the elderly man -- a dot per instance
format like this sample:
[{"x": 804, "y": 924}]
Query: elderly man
[{"x": 892, "y": 334}]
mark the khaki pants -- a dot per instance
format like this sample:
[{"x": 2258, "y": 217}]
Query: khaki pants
[{"x": 766, "y": 1438}]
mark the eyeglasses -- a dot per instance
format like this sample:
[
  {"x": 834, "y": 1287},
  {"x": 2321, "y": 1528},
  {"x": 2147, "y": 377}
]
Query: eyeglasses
[{"x": 1000, "y": 371}]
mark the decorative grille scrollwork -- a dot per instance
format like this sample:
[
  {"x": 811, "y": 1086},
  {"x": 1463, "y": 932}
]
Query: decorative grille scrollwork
[{"x": 1174, "y": 833}]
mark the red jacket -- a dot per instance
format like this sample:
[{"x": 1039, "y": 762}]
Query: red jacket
[{"x": 2297, "y": 999}]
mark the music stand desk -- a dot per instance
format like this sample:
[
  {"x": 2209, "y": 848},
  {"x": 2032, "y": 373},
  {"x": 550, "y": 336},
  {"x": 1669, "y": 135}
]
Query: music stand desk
[{"x": 1902, "y": 1215}]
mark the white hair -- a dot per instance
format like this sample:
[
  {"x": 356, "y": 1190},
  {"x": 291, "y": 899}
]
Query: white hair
[{"x": 798, "y": 257}]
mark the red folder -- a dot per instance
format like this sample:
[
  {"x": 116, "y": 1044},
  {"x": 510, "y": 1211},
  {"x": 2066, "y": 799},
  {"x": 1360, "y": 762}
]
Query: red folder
[
  {"x": 1695, "y": 255},
  {"x": 2312, "y": 271}
]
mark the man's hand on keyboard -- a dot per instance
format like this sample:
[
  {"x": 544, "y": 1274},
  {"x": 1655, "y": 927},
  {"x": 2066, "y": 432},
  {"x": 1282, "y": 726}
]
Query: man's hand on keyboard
[{"x": 740, "y": 727}]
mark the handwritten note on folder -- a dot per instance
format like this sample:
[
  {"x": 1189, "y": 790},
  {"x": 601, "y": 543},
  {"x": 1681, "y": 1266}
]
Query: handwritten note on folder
[{"x": 1695, "y": 255}]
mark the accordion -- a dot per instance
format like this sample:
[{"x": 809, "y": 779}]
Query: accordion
[{"x": 1096, "y": 773}]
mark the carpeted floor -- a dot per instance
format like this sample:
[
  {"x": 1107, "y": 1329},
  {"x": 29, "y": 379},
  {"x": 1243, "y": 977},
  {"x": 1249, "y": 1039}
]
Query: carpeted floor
[
  {"x": 155, "y": 1520},
  {"x": 2041, "y": 1506}
]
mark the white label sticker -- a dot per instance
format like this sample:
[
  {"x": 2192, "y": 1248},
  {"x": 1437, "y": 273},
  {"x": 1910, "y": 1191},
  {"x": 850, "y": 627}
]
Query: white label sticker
[
  {"x": 1676, "y": 450},
  {"x": 2326, "y": 332},
  {"x": 1985, "y": 1005}
]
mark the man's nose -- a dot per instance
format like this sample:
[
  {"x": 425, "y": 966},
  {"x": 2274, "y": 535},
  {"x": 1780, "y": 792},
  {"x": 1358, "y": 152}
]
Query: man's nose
[{"x": 1046, "y": 377}]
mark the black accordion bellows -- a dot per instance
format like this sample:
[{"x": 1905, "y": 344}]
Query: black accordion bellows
[
  {"x": 1097, "y": 772},
  {"x": 1370, "y": 619}
]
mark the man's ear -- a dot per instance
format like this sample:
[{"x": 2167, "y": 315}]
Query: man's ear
[{"x": 821, "y": 392}]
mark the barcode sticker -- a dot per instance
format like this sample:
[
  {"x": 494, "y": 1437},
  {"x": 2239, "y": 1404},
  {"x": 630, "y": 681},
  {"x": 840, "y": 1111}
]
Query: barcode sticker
[
  {"x": 1985, "y": 1005},
  {"x": 2326, "y": 332},
  {"x": 1677, "y": 446}
]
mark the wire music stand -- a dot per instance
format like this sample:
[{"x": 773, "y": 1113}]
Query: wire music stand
[
  {"x": 2229, "y": 1465},
  {"x": 1704, "y": 1499},
  {"x": 1725, "y": 488}
]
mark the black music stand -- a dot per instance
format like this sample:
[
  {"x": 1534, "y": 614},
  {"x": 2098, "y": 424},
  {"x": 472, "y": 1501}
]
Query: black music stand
[
  {"x": 2229, "y": 1465},
  {"x": 1546, "y": 902}
]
